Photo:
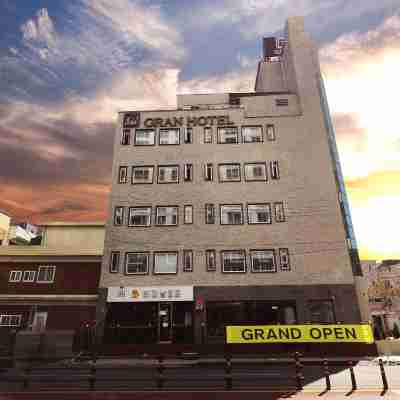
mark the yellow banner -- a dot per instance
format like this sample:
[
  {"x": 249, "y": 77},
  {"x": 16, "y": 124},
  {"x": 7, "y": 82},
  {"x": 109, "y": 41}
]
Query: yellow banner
[{"x": 299, "y": 334}]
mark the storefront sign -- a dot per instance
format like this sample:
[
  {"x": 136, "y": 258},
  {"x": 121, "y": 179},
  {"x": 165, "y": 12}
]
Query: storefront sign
[
  {"x": 299, "y": 334},
  {"x": 220, "y": 120},
  {"x": 150, "y": 293}
]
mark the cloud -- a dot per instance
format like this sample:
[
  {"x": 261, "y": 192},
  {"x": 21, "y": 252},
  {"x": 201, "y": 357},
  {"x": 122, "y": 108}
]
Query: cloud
[{"x": 39, "y": 29}]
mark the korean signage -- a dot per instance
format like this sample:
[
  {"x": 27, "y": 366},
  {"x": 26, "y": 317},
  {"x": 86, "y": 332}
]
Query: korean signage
[
  {"x": 299, "y": 334},
  {"x": 149, "y": 293}
]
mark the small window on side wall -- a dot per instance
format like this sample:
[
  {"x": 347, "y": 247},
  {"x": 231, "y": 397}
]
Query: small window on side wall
[
  {"x": 279, "y": 212},
  {"x": 251, "y": 134},
  {"x": 210, "y": 214},
  {"x": 126, "y": 137},
  {"x": 208, "y": 135},
  {"x": 188, "y": 214},
  {"x": 211, "y": 261},
  {"x": 233, "y": 261},
  {"x": 187, "y": 261},
  {"x": 229, "y": 172},
  {"x": 123, "y": 174},
  {"x": 143, "y": 174},
  {"x": 274, "y": 165},
  {"x": 228, "y": 135},
  {"x": 284, "y": 259},
  {"x": 262, "y": 261},
  {"x": 208, "y": 172},
  {"x": 188, "y": 136},
  {"x": 168, "y": 174},
  {"x": 114, "y": 262},
  {"x": 270, "y": 132},
  {"x": 188, "y": 172},
  {"x": 118, "y": 215}
]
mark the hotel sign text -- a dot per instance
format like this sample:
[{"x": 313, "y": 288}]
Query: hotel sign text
[{"x": 219, "y": 120}]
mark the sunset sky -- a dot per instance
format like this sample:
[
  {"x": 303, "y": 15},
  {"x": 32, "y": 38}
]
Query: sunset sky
[{"x": 67, "y": 67}]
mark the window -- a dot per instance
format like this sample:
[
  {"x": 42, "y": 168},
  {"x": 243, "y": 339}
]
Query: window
[
  {"x": 233, "y": 261},
  {"x": 167, "y": 215},
  {"x": 208, "y": 172},
  {"x": 119, "y": 216},
  {"x": 10, "y": 320},
  {"x": 188, "y": 135},
  {"x": 262, "y": 261},
  {"x": 122, "y": 174},
  {"x": 252, "y": 134},
  {"x": 15, "y": 276},
  {"x": 169, "y": 136},
  {"x": 29, "y": 276},
  {"x": 284, "y": 259},
  {"x": 136, "y": 263},
  {"x": 142, "y": 174},
  {"x": 210, "y": 214},
  {"x": 46, "y": 274},
  {"x": 274, "y": 169},
  {"x": 270, "y": 132},
  {"x": 165, "y": 263},
  {"x": 208, "y": 135},
  {"x": 228, "y": 135},
  {"x": 282, "y": 102},
  {"x": 229, "y": 173},
  {"x": 145, "y": 137},
  {"x": 188, "y": 213},
  {"x": 211, "y": 260},
  {"x": 187, "y": 260},
  {"x": 279, "y": 213},
  {"x": 231, "y": 214},
  {"x": 114, "y": 262},
  {"x": 188, "y": 172},
  {"x": 126, "y": 137},
  {"x": 259, "y": 213},
  {"x": 139, "y": 216},
  {"x": 322, "y": 311},
  {"x": 168, "y": 174},
  {"x": 255, "y": 172}
]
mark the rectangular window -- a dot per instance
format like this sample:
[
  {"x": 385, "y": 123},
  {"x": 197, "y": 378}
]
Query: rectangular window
[
  {"x": 208, "y": 135},
  {"x": 270, "y": 132},
  {"x": 136, "y": 263},
  {"x": 15, "y": 276},
  {"x": 166, "y": 263},
  {"x": 187, "y": 261},
  {"x": 126, "y": 137},
  {"x": 259, "y": 213},
  {"x": 255, "y": 172},
  {"x": 252, "y": 134},
  {"x": 119, "y": 215},
  {"x": 208, "y": 172},
  {"x": 167, "y": 215},
  {"x": 274, "y": 166},
  {"x": 29, "y": 276},
  {"x": 229, "y": 172},
  {"x": 139, "y": 216},
  {"x": 321, "y": 312},
  {"x": 114, "y": 262},
  {"x": 228, "y": 135},
  {"x": 188, "y": 213},
  {"x": 210, "y": 214},
  {"x": 231, "y": 214},
  {"x": 211, "y": 260},
  {"x": 284, "y": 259},
  {"x": 145, "y": 137},
  {"x": 122, "y": 174},
  {"x": 169, "y": 136},
  {"x": 282, "y": 102},
  {"x": 279, "y": 212},
  {"x": 188, "y": 172},
  {"x": 143, "y": 174},
  {"x": 188, "y": 135},
  {"x": 233, "y": 261},
  {"x": 46, "y": 274},
  {"x": 10, "y": 320},
  {"x": 262, "y": 261},
  {"x": 168, "y": 174}
]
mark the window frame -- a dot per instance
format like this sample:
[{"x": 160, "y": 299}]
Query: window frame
[
  {"x": 18, "y": 273},
  {"x": 185, "y": 133},
  {"x": 252, "y": 126},
  {"x": 147, "y": 130},
  {"x": 208, "y": 267},
  {"x": 273, "y": 137},
  {"x": 115, "y": 215},
  {"x": 168, "y": 206},
  {"x": 29, "y": 272},
  {"x": 167, "y": 166},
  {"x": 231, "y": 251},
  {"x": 210, "y": 130},
  {"x": 276, "y": 203},
  {"x": 151, "y": 167},
  {"x": 185, "y": 253},
  {"x": 122, "y": 168},
  {"x": 111, "y": 263},
  {"x": 230, "y": 180},
  {"x": 146, "y": 253},
  {"x": 53, "y": 275},
  {"x": 185, "y": 206},
  {"x": 227, "y": 127},
  {"x": 263, "y": 271},
  {"x": 274, "y": 176},
  {"x": 136, "y": 208},
  {"x": 208, "y": 167},
  {"x": 165, "y": 252},
  {"x": 282, "y": 268},
  {"x": 263, "y": 163},
  {"x": 231, "y": 205},
  {"x": 259, "y": 204},
  {"x": 213, "y": 213},
  {"x": 19, "y": 316},
  {"x": 128, "y": 136},
  {"x": 190, "y": 166},
  {"x": 162, "y": 130}
]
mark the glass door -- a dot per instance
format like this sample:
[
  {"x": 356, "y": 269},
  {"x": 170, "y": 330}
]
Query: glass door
[{"x": 165, "y": 322}]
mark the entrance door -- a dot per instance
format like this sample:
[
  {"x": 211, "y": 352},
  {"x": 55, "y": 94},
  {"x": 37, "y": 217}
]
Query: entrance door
[
  {"x": 39, "y": 322},
  {"x": 165, "y": 322}
]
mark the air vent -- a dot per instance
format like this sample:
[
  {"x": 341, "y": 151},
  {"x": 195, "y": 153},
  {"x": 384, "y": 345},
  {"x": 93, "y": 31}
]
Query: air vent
[{"x": 282, "y": 102}]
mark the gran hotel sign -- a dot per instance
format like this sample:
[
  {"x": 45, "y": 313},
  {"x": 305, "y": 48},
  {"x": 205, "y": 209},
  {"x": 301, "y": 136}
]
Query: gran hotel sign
[{"x": 132, "y": 120}]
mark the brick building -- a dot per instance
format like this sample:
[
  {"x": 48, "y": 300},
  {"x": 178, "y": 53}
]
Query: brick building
[{"x": 230, "y": 209}]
